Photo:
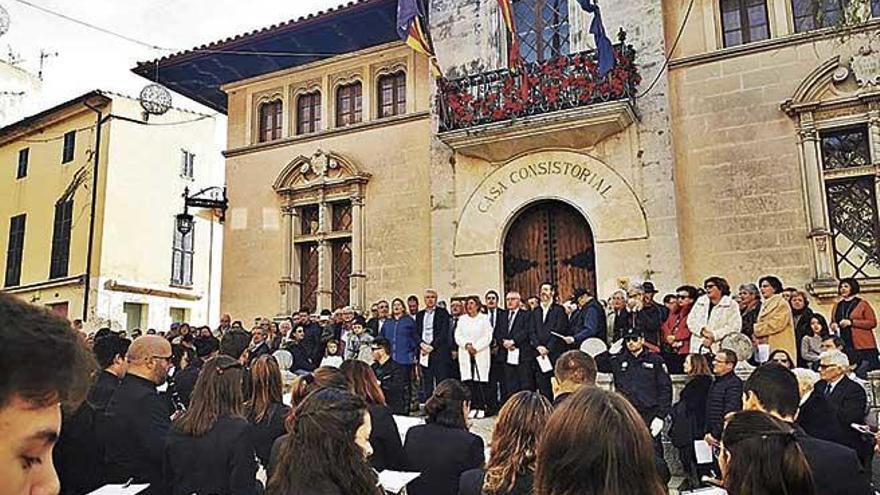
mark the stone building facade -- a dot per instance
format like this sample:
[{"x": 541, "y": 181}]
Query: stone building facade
[{"x": 733, "y": 138}]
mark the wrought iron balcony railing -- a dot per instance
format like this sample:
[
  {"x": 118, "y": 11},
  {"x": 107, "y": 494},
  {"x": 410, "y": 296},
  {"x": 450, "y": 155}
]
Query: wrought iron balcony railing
[{"x": 562, "y": 83}]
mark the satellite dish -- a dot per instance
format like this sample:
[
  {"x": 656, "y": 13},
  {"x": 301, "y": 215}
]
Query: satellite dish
[
  {"x": 739, "y": 343},
  {"x": 4, "y": 21},
  {"x": 593, "y": 347}
]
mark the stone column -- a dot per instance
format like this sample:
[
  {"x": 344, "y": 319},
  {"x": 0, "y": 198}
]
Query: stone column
[
  {"x": 819, "y": 233},
  {"x": 357, "y": 287},
  {"x": 290, "y": 282},
  {"x": 325, "y": 257}
]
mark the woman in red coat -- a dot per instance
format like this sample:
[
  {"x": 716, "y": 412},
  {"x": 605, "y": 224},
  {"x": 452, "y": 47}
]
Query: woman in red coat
[
  {"x": 853, "y": 319},
  {"x": 676, "y": 333}
]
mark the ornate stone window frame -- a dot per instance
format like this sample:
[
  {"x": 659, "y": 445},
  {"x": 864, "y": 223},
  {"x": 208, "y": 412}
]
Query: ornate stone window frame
[
  {"x": 839, "y": 93},
  {"x": 262, "y": 98},
  {"x": 320, "y": 179}
]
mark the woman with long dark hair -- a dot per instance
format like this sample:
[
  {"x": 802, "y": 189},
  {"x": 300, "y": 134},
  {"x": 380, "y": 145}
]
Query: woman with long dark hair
[
  {"x": 385, "y": 438},
  {"x": 327, "y": 448},
  {"x": 689, "y": 416},
  {"x": 443, "y": 448},
  {"x": 596, "y": 444},
  {"x": 266, "y": 410},
  {"x": 209, "y": 449},
  {"x": 854, "y": 320},
  {"x": 760, "y": 455},
  {"x": 811, "y": 345},
  {"x": 511, "y": 467}
]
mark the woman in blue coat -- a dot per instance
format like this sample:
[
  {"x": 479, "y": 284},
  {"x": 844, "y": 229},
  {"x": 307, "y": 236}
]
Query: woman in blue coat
[{"x": 401, "y": 331}]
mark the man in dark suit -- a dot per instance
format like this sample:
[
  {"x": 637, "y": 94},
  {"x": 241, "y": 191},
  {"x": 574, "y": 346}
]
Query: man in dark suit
[
  {"x": 136, "y": 422},
  {"x": 514, "y": 347},
  {"x": 375, "y": 324},
  {"x": 725, "y": 394},
  {"x": 773, "y": 389},
  {"x": 498, "y": 319},
  {"x": 392, "y": 377},
  {"x": 847, "y": 400},
  {"x": 435, "y": 343},
  {"x": 590, "y": 322},
  {"x": 548, "y": 322}
]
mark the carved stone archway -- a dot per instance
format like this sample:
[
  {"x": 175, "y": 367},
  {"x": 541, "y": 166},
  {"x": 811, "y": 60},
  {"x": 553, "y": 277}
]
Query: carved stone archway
[{"x": 320, "y": 181}]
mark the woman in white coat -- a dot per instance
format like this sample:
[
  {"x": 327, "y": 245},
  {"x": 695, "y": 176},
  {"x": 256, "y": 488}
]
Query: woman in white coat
[
  {"x": 713, "y": 316},
  {"x": 473, "y": 336}
]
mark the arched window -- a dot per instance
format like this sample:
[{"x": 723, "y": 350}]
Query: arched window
[
  {"x": 348, "y": 104},
  {"x": 744, "y": 21},
  {"x": 543, "y": 28},
  {"x": 270, "y": 121},
  {"x": 308, "y": 113},
  {"x": 392, "y": 94}
]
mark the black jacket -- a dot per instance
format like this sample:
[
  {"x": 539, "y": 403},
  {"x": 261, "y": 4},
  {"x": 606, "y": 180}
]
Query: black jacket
[
  {"x": 471, "y": 483},
  {"x": 836, "y": 469},
  {"x": 442, "y": 342},
  {"x": 221, "y": 462},
  {"x": 649, "y": 320},
  {"x": 264, "y": 433},
  {"x": 689, "y": 413},
  {"x": 644, "y": 381},
  {"x": 302, "y": 356},
  {"x": 385, "y": 439},
  {"x": 848, "y": 402},
  {"x": 519, "y": 333},
  {"x": 184, "y": 382},
  {"x": 590, "y": 323},
  {"x": 801, "y": 330},
  {"x": 132, "y": 431},
  {"x": 555, "y": 322},
  {"x": 813, "y": 418},
  {"x": 393, "y": 380},
  {"x": 725, "y": 396},
  {"x": 441, "y": 454}
]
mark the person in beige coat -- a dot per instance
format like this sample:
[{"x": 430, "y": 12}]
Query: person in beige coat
[{"x": 775, "y": 325}]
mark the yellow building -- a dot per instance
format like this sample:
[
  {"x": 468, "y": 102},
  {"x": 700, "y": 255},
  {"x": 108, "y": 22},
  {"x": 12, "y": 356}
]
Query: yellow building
[
  {"x": 734, "y": 138},
  {"x": 92, "y": 234}
]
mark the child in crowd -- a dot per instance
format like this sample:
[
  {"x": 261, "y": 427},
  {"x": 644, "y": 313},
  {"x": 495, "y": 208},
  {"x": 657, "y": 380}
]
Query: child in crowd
[
  {"x": 357, "y": 342},
  {"x": 332, "y": 354}
]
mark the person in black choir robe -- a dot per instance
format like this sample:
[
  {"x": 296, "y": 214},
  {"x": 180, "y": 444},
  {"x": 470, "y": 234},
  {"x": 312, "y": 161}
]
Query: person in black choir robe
[
  {"x": 135, "y": 424},
  {"x": 435, "y": 341},
  {"x": 392, "y": 377},
  {"x": 548, "y": 322},
  {"x": 513, "y": 341},
  {"x": 498, "y": 319}
]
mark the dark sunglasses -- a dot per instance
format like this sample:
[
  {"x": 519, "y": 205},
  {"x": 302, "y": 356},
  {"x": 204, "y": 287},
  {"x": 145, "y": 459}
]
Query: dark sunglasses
[
  {"x": 632, "y": 339},
  {"x": 709, "y": 286}
]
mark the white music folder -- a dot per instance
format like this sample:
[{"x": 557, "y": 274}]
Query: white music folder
[{"x": 121, "y": 489}]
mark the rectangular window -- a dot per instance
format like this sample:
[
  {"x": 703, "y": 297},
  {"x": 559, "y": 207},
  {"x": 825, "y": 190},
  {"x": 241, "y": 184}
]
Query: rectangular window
[
  {"x": 341, "y": 272},
  {"x": 179, "y": 315},
  {"x": 875, "y": 8},
  {"x": 270, "y": 121},
  {"x": 348, "y": 104},
  {"x": 308, "y": 113},
  {"x": 852, "y": 202},
  {"x": 14, "y": 250},
  {"x": 69, "y": 147},
  {"x": 135, "y": 316},
  {"x": 392, "y": 95},
  {"x": 182, "y": 257},
  {"x": 23, "y": 158},
  {"x": 61, "y": 239},
  {"x": 187, "y": 164},
  {"x": 744, "y": 21},
  {"x": 817, "y": 14},
  {"x": 342, "y": 216},
  {"x": 308, "y": 256},
  {"x": 543, "y": 28},
  {"x": 309, "y": 219}
]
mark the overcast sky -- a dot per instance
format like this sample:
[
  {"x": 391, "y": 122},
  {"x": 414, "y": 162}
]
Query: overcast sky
[{"x": 89, "y": 59}]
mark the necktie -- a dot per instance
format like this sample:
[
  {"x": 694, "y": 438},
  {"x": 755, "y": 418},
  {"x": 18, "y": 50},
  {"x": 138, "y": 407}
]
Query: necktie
[
  {"x": 828, "y": 390},
  {"x": 492, "y": 318},
  {"x": 510, "y": 322}
]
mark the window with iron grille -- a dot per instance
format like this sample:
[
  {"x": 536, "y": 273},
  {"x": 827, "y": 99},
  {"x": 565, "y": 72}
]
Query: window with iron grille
[
  {"x": 15, "y": 250},
  {"x": 341, "y": 250},
  {"x": 308, "y": 256},
  {"x": 69, "y": 147},
  {"x": 342, "y": 216},
  {"x": 182, "y": 257},
  {"x": 308, "y": 113},
  {"x": 543, "y": 28},
  {"x": 392, "y": 94},
  {"x": 744, "y": 21},
  {"x": 187, "y": 164},
  {"x": 61, "y": 239},
  {"x": 23, "y": 158},
  {"x": 270, "y": 121},
  {"x": 852, "y": 202},
  {"x": 348, "y": 104},
  {"x": 817, "y": 14}
]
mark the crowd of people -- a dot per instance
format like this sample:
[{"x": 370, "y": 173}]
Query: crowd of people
[{"x": 311, "y": 401}]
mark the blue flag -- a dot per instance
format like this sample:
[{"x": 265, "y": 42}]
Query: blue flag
[{"x": 604, "y": 49}]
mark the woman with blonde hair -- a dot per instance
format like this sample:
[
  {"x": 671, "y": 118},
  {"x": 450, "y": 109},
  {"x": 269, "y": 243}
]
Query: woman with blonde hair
[{"x": 511, "y": 467}]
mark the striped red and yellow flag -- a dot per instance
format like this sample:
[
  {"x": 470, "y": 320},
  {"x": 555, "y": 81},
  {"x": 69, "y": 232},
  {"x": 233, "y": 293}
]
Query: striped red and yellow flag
[
  {"x": 411, "y": 29},
  {"x": 509, "y": 21}
]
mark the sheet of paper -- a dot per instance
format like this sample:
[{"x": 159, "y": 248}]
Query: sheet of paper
[
  {"x": 120, "y": 489},
  {"x": 545, "y": 364},
  {"x": 763, "y": 353},
  {"x": 396, "y": 481},
  {"x": 558, "y": 335},
  {"x": 703, "y": 451},
  {"x": 423, "y": 359},
  {"x": 711, "y": 490},
  {"x": 404, "y": 423},
  {"x": 513, "y": 357}
]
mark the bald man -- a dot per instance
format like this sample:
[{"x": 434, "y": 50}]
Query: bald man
[{"x": 135, "y": 424}]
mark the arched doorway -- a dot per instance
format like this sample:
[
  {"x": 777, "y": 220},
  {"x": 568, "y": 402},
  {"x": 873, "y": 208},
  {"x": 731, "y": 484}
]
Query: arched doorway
[{"x": 549, "y": 241}]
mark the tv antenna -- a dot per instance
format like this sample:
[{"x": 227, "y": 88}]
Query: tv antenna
[{"x": 44, "y": 55}]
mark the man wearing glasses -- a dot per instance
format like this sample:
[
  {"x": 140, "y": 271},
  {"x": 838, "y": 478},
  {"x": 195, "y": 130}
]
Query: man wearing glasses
[
  {"x": 725, "y": 394},
  {"x": 847, "y": 400},
  {"x": 136, "y": 422}
]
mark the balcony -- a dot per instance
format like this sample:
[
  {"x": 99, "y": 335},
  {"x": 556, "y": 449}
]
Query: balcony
[{"x": 561, "y": 103}]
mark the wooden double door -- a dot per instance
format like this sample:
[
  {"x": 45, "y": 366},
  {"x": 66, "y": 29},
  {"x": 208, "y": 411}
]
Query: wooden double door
[{"x": 549, "y": 241}]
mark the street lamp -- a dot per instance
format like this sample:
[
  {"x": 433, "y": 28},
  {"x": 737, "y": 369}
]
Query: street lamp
[{"x": 213, "y": 198}]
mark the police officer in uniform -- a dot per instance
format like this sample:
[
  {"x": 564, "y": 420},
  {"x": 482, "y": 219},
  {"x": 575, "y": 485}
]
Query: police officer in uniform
[{"x": 641, "y": 377}]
